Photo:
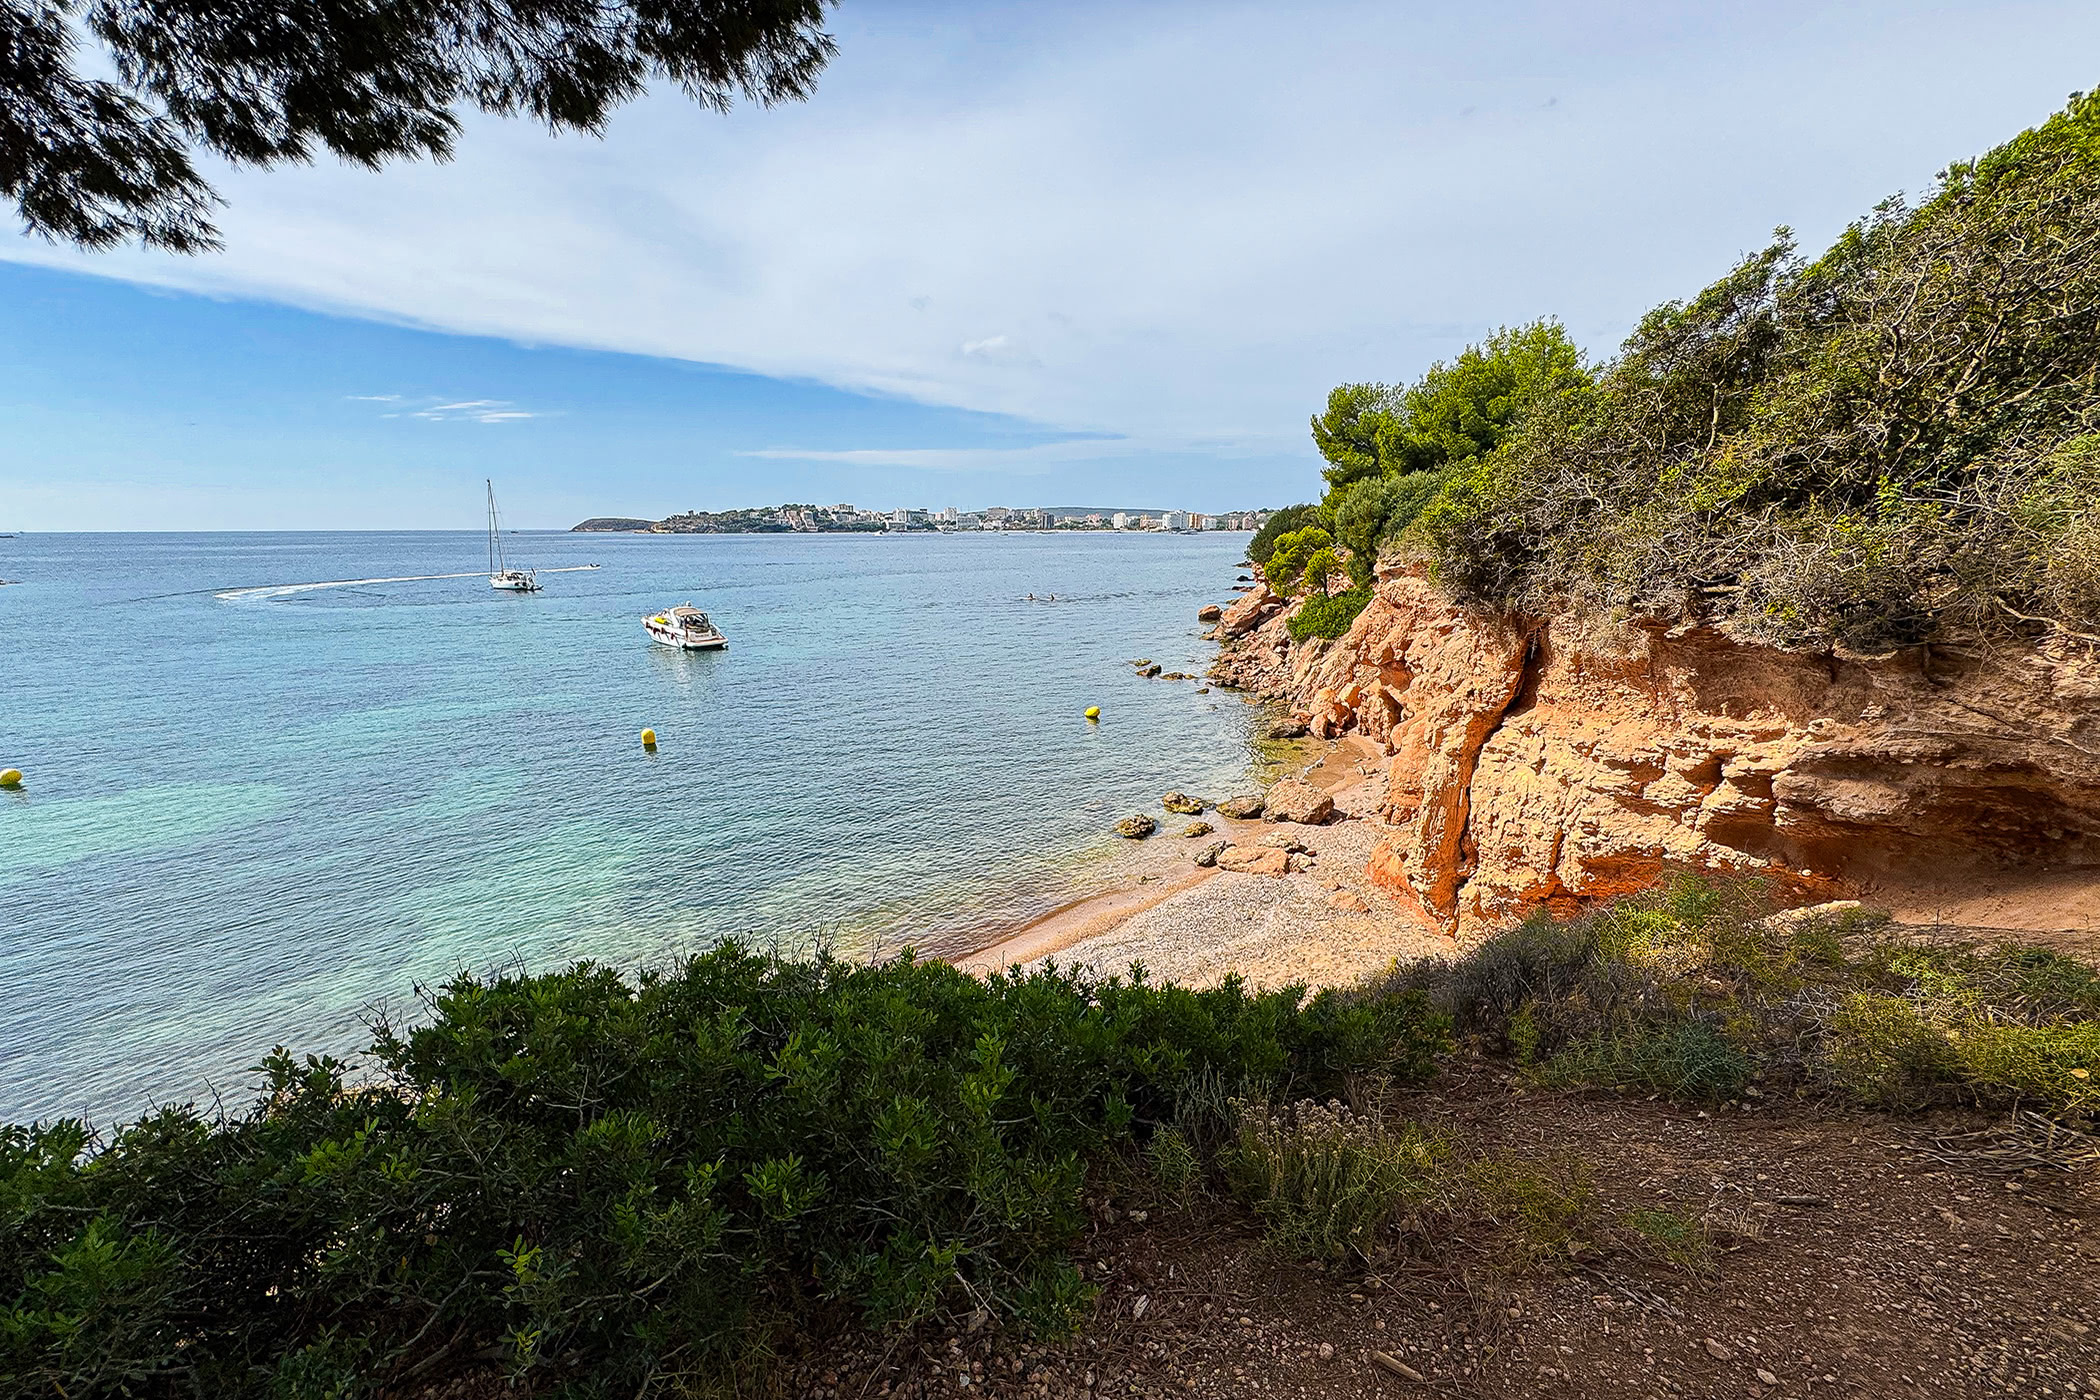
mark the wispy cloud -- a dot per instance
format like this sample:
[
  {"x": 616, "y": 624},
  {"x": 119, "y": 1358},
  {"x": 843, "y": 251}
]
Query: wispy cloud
[
  {"x": 473, "y": 411},
  {"x": 436, "y": 410},
  {"x": 1169, "y": 223}
]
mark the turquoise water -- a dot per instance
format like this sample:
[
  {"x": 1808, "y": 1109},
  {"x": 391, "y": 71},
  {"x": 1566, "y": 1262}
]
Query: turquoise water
[{"x": 249, "y": 820}]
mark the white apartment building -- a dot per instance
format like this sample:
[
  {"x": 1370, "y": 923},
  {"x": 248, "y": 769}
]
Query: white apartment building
[
  {"x": 1174, "y": 520},
  {"x": 1120, "y": 521}
]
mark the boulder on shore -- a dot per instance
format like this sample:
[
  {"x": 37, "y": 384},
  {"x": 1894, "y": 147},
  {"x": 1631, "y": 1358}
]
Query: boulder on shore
[
  {"x": 1241, "y": 808},
  {"x": 1249, "y": 612},
  {"x": 1254, "y": 860},
  {"x": 1292, "y": 728},
  {"x": 1198, "y": 829},
  {"x": 1294, "y": 800},
  {"x": 1209, "y": 612},
  {"x": 1136, "y": 828},
  {"x": 1183, "y": 804},
  {"x": 1208, "y": 856}
]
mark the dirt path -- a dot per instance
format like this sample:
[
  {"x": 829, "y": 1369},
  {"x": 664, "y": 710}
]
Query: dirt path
[{"x": 1861, "y": 1265}]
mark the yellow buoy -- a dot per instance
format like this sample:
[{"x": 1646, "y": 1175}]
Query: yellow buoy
[
  {"x": 1093, "y": 712},
  {"x": 10, "y": 778},
  {"x": 648, "y": 738}
]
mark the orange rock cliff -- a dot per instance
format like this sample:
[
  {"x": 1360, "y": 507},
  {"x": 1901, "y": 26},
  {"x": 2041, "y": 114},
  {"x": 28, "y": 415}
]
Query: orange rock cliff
[{"x": 1561, "y": 760}]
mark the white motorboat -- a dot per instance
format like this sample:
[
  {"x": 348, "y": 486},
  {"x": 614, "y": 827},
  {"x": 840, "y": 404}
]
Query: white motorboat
[
  {"x": 502, "y": 577},
  {"x": 685, "y": 628}
]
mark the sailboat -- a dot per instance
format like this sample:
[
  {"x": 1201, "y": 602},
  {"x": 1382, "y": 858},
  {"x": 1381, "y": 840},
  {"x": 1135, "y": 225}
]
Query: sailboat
[{"x": 501, "y": 576}]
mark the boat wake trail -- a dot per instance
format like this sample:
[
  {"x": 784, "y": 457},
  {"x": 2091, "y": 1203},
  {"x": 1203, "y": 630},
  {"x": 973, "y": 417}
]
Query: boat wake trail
[{"x": 286, "y": 590}]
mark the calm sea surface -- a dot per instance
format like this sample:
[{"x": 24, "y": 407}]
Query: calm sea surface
[{"x": 248, "y": 819}]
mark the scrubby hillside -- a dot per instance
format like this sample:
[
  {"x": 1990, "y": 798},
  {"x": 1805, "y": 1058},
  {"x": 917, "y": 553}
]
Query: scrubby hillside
[{"x": 1893, "y": 443}]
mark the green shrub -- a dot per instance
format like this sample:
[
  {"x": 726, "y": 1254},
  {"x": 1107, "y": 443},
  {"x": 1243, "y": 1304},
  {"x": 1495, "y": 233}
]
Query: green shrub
[
  {"x": 1279, "y": 524},
  {"x": 1322, "y": 566},
  {"x": 1321, "y": 616},
  {"x": 1671, "y": 1235},
  {"x": 1292, "y": 553},
  {"x": 631, "y": 1186},
  {"x": 1547, "y": 1202},
  {"x": 1686, "y": 1059},
  {"x": 1324, "y": 1180},
  {"x": 1174, "y": 1162}
]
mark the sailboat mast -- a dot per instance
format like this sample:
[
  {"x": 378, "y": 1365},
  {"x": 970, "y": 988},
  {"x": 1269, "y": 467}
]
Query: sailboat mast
[{"x": 495, "y": 540}]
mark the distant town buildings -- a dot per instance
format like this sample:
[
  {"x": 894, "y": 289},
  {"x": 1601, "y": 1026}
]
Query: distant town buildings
[{"x": 847, "y": 518}]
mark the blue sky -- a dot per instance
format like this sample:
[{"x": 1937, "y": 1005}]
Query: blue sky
[{"x": 1009, "y": 254}]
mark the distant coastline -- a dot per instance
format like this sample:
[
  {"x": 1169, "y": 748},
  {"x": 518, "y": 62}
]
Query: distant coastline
[{"x": 847, "y": 519}]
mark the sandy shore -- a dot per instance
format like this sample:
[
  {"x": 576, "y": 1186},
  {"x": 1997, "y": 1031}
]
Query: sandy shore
[{"x": 1326, "y": 926}]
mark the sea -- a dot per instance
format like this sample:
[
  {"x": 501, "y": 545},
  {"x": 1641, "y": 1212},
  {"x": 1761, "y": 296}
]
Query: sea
[{"x": 276, "y": 783}]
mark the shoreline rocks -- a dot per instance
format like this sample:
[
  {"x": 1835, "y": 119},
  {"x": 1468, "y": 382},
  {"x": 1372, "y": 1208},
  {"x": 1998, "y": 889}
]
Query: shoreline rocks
[
  {"x": 1181, "y": 804},
  {"x": 1242, "y": 808},
  {"x": 1136, "y": 828},
  {"x": 1294, "y": 800},
  {"x": 1255, "y": 860}
]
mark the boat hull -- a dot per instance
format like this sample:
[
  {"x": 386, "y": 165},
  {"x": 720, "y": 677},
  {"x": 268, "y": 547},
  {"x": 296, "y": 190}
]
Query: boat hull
[{"x": 672, "y": 638}]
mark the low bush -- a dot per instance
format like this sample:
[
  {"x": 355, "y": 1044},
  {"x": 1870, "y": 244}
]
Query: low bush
[
  {"x": 632, "y": 1186},
  {"x": 1685, "y": 1058},
  {"x": 1325, "y": 1180},
  {"x": 1547, "y": 1203},
  {"x": 1670, "y": 1235},
  {"x": 1324, "y": 616},
  {"x": 1692, "y": 990}
]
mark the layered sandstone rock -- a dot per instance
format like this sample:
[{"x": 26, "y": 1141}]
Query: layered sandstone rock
[{"x": 1560, "y": 761}]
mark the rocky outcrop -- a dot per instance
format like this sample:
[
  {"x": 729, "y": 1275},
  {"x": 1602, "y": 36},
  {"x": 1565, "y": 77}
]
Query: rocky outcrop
[
  {"x": 1135, "y": 828},
  {"x": 1294, "y": 801},
  {"x": 1254, "y": 608},
  {"x": 1557, "y": 761},
  {"x": 1182, "y": 804},
  {"x": 1255, "y": 860}
]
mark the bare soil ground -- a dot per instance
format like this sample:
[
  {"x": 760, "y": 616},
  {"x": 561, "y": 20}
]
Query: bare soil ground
[{"x": 1860, "y": 1256}]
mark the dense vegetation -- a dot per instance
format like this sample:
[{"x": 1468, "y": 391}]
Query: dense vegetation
[
  {"x": 1893, "y": 443},
  {"x": 607, "y": 1187},
  {"x": 602, "y": 1186},
  {"x": 1693, "y": 990},
  {"x": 599, "y": 1185}
]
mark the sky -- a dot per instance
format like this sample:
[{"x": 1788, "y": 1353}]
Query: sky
[{"x": 1100, "y": 254}]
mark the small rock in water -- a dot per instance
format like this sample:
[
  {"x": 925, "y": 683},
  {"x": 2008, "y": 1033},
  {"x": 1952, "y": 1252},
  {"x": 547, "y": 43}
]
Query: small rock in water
[
  {"x": 1241, "y": 808},
  {"x": 1209, "y": 612},
  {"x": 1149, "y": 671},
  {"x": 1198, "y": 829},
  {"x": 1286, "y": 729},
  {"x": 1136, "y": 828},
  {"x": 1182, "y": 803},
  {"x": 1208, "y": 856}
]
